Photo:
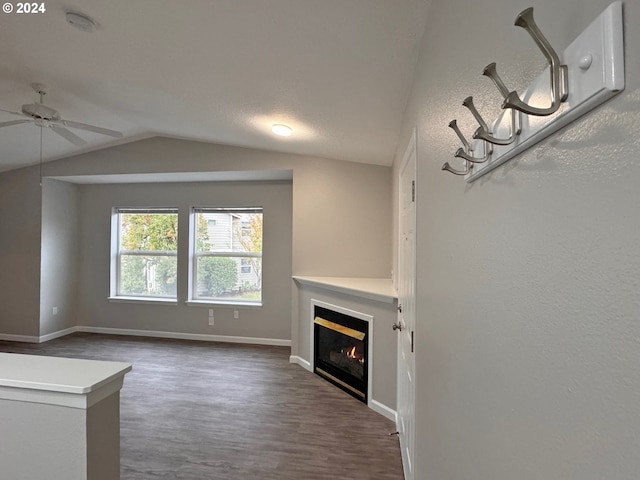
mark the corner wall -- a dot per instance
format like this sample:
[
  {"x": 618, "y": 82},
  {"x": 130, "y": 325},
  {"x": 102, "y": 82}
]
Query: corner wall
[
  {"x": 59, "y": 256},
  {"x": 20, "y": 213},
  {"x": 527, "y": 280}
]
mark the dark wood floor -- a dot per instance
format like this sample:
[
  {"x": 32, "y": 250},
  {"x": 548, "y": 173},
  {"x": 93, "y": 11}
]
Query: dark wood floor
[{"x": 199, "y": 411}]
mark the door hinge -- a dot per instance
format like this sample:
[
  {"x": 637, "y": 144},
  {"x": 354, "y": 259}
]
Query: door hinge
[
  {"x": 411, "y": 341},
  {"x": 413, "y": 190}
]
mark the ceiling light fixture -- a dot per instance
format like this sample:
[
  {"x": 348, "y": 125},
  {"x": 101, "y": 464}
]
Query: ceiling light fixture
[
  {"x": 282, "y": 130},
  {"x": 80, "y": 21}
]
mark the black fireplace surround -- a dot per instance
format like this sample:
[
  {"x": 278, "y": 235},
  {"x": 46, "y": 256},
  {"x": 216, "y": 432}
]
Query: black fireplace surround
[{"x": 341, "y": 351}]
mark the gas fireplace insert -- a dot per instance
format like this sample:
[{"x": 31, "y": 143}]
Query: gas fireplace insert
[{"x": 341, "y": 351}]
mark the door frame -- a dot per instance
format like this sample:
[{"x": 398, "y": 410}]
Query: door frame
[{"x": 407, "y": 445}]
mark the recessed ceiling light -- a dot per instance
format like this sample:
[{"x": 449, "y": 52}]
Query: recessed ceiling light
[{"x": 282, "y": 130}]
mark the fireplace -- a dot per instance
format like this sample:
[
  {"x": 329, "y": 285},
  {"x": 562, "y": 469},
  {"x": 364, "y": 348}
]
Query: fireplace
[{"x": 341, "y": 350}]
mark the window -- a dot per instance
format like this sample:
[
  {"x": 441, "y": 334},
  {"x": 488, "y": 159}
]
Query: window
[
  {"x": 145, "y": 253},
  {"x": 227, "y": 255}
]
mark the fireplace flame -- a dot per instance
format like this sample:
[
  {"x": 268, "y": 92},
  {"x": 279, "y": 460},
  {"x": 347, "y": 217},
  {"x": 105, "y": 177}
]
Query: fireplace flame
[{"x": 352, "y": 353}]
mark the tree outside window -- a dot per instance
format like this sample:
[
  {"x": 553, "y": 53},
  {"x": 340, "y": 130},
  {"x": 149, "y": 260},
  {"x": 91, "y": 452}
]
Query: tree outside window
[{"x": 147, "y": 252}]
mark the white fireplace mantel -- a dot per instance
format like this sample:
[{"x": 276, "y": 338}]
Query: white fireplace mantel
[
  {"x": 370, "y": 299},
  {"x": 379, "y": 289}
]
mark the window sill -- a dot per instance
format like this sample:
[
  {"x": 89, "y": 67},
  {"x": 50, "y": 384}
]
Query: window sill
[
  {"x": 217, "y": 303},
  {"x": 146, "y": 300}
]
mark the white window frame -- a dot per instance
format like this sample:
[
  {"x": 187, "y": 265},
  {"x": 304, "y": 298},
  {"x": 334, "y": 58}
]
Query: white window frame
[
  {"x": 194, "y": 255},
  {"x": 117, "y": 252}
]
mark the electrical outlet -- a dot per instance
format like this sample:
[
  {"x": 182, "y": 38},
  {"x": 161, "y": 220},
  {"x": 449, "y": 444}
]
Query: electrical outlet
[
  {"x": 211, "y": 312},
  {"x": 211, "y": 321},
  {"x": 236, "y": 314},
  {"x": 55, "y": 310}
]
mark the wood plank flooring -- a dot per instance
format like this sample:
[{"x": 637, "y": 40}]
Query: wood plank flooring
[{"x": 200, "y": 410}]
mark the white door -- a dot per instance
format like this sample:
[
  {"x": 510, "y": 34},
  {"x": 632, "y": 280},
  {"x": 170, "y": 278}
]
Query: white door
[{"x": 405, "y": 326}]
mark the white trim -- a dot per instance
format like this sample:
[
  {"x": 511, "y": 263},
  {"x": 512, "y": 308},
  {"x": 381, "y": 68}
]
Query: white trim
[
  {"x": 19, "y": 338},
  {"x": 278, "y": 342},
  {"x": 384, "y": 410},
  {"x": 214, "y": 303},
  {"x": 301, "y": 361},
  {"x": 378, "y": 289},
  {"x": 186, "y": 336},
  {"x": 350, "y": 313},
  {"x": 407, "y": 435},
  {"x": 145, "y": 300},
  {"x": 58, "y": 334}
]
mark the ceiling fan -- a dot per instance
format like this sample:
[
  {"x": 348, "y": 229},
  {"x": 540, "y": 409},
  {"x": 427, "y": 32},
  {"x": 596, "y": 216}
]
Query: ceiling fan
[{"x": 44, "y": 116}]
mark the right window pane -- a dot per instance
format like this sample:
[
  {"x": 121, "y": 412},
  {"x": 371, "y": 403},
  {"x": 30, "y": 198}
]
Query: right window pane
[{"x": 227, "y": 255}]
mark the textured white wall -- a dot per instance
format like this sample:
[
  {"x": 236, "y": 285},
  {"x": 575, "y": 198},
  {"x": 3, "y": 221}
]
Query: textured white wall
[{"x": 528, "y": 331}]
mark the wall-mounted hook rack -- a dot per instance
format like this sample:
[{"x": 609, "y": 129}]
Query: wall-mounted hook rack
[{"x": 586, "y": 74}]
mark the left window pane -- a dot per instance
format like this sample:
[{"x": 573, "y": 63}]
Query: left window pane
[{"x": 147, "y": 253}]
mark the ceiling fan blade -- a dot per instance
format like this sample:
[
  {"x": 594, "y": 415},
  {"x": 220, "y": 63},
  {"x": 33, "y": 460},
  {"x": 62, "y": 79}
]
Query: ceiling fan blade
[
  {"x": 91, "y": 128},
  {"x": 13, "y": 122},
  {"x": 72, "y": 137},
  {"x": 12, "y": 113}
]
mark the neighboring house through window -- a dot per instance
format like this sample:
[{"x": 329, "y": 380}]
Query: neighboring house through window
[
  {"x": 227, "y": 255},
  {"x": 225, "y": 252}
]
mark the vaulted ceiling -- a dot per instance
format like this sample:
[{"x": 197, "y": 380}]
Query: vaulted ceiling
[{"x": 338, "y": 72}]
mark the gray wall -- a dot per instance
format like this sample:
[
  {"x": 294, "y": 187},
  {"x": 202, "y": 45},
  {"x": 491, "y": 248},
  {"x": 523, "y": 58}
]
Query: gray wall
[
  {"x": 59, "y": 251},
  {"x": 340, "y": 226},
  {"x": 20, "y": 213},
  {"x": 528, "y": 296},
  {"x": 272, "y": 320}
]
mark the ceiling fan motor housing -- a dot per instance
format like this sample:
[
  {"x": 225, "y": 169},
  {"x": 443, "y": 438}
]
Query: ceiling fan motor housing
[{"x": 39, "y": 111}]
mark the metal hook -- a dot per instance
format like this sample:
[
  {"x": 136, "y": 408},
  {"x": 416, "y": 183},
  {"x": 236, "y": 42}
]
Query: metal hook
[
  {"x": 482, "y": 133},
  {"x": 468, "y": 102},
  {"x": 460, "y": 153},
  {"x": 491, "y": 72},
  {"x": 454, "y": 125},
  {"x": 465, "y": 153},
  {"x": 448, "y": 168},
  {"x": 559, "y": 77},
  {"x": 467, "y": 149}
]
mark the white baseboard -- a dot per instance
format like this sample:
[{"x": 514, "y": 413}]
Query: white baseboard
[
  {"x": 186, "y": 336},
  {"x": 146, "y": 333},
  {"x": 373, "y": 404},
  {"x": 383, "y": 410},
  {"x": 58, "y": 334},
  {"x": 19, "y": 338},
  {"x": 300, "y": 361}
]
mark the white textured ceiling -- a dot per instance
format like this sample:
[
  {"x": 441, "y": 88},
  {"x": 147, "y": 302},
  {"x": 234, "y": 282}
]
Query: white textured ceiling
[{"x": 337, "y": 71}]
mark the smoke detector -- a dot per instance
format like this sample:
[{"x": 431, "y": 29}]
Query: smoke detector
[{"x": 80, "y": 21}]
